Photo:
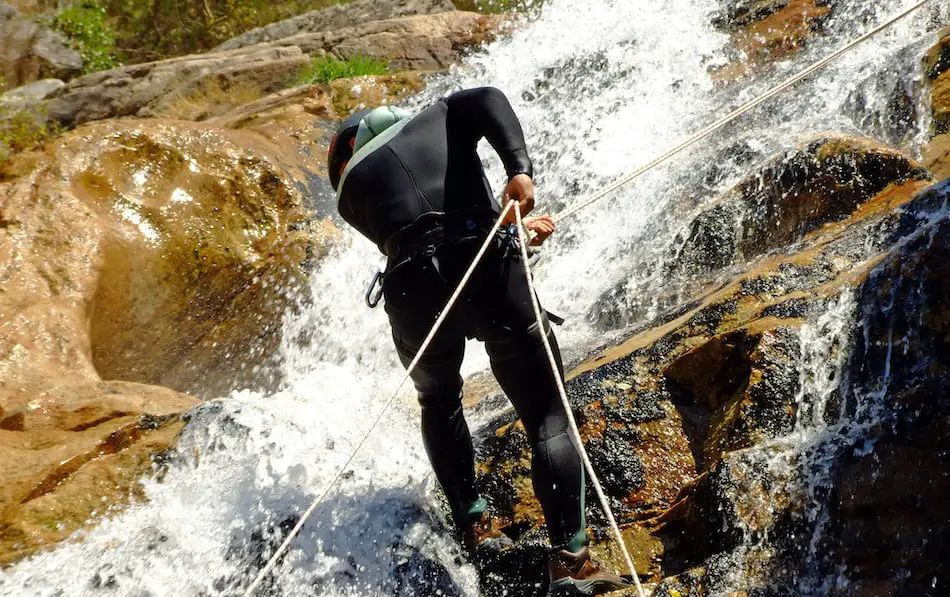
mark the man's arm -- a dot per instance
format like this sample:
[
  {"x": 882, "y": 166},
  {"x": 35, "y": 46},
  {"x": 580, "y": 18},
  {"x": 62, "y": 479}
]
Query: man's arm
[{"x": 485, "y": 112}]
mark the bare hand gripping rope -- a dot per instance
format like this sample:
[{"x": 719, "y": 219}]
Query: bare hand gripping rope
[{"x": 566, "y": 213}]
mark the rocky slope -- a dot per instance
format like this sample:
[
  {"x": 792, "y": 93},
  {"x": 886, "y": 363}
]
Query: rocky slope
[{"x": 146, "y": 257}]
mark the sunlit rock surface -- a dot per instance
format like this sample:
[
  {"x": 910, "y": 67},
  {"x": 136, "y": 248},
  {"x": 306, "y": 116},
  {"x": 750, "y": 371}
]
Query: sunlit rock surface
[
  {"x": 158, "y": 252},
  {"x": 166, "y": 88},
  {"x": 937, "y": 69},
  {"x": 339, "y": 16},
  {"x": 77, "y": 451}
]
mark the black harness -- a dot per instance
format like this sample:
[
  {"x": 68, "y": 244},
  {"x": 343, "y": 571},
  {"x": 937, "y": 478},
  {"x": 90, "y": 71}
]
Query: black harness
[
  {"x": 426, "y": 235},
  {"x": 435, "y": 229}
]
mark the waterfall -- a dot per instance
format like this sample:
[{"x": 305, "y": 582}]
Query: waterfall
[{"x": 601, "y": 86}]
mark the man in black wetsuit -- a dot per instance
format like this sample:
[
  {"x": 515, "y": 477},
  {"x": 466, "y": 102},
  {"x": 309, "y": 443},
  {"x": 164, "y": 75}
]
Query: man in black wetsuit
[{"x": 415, "y": 186}]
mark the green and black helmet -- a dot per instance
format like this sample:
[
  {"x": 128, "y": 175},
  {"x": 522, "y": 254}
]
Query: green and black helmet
[
  {"x": 355, "y": 132},
  {"x": 341, "y": 147}
]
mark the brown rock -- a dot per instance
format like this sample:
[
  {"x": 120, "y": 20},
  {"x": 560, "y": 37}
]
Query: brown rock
[
  {"x": 937, "y": 156},
  {"x": 208, "y": 85},
  {"x": 71, "y": 450},
  {"x": 886, "y": 481},
  {"x": 350, "y": 95},
  {"x": 341, "y": 16},
  {"x": 768, "y": 30},
  {"x": 30, "y": 52},
  {"x": 145, "y": 89},
  {"x": 133, "y": 229},
  {"x": 936, "y": 65},
  {"x": 794, "y": 194},
  {"x": 424, "y": 42},
  {"x": 430, "y": 42}
]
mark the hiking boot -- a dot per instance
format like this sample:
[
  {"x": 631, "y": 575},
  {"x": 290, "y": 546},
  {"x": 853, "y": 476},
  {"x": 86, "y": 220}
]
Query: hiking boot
[
  {"x": 482, "y": 535},
  {"x": 577, "y": 574},
  {"x": 479, "y": 532}
]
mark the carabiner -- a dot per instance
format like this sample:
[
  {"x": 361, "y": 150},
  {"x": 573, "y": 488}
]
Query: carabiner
[{"x": 373, "y": 298}]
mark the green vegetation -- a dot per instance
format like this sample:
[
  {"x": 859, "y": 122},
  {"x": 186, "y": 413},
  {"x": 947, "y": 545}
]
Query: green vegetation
[
  {"x": 22, "y": 129},
  {"x": 498, "y": 6},
  {"x": 327, "y": 68},
  {"x": 85, "y": 26},
  {"x": 156, "y": 29}
]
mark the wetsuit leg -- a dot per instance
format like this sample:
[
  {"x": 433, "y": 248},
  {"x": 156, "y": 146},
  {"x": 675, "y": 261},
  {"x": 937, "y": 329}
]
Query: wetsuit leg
[
  {"x": 523, "y": 370},
  {"x": 415, "y": 294},
  {"x": 500, "y": 300}
]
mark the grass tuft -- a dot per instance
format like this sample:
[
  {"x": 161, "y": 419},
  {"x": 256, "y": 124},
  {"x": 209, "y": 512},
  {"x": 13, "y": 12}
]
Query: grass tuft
[
  {"x": 324, "y": 69},
  {"x": 23, "y": 128}
]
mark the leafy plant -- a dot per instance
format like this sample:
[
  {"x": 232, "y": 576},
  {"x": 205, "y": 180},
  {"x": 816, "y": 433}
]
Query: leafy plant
[
  {"x": 85, "y": 26},
  {"x": 23, "y": 128},
  {"x": 157, "y": 29},
  {"x": 324, "y": 69}
]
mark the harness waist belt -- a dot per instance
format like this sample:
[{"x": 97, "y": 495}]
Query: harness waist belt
[{"x": 433, "y": 229}]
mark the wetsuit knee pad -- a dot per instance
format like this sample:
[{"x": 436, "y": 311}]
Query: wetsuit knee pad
[
  {"x": 519, "y": 346},
  {"x": 446, "y": 399}
]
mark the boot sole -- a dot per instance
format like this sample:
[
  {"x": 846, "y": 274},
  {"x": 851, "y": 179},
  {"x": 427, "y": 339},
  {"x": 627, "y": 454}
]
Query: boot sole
[{"x": 571, "y": 586}]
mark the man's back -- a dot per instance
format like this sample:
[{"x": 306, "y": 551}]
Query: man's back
[{"x": 431, "y": 164}]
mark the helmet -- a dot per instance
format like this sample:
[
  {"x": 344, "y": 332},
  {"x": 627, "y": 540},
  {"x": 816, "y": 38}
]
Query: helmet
[
  {"x": 355, "y": 132},
  {"x": 341, "y": 149}
]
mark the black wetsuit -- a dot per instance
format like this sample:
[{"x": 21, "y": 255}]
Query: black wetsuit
[{"x": 431, "y": 165}]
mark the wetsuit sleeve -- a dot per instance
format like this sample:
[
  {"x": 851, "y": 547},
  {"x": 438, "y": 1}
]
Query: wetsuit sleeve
[{"x": 486, "y": 112}]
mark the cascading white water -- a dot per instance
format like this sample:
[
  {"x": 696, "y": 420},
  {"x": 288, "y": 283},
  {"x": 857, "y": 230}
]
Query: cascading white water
[{"x": 601, "y": 87}]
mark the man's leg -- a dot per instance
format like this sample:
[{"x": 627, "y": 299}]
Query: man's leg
[
  {"x": 445, "y": 433},
  {"x": 523, "y": 370},
  {"x": 415, "y": 294}
]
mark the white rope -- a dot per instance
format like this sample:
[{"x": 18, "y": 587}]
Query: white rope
[
  {"x": 412, "y": 365},
  {"x": 575, "y": 433},
  {"x": 732, "y": 116}
]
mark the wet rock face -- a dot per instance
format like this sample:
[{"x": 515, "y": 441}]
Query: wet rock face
[
  {"x": 794, "y": 194},
  {"x": 703, "y": 426},
  {"x": 888, "y": 520},
  {"x": 160, "y": 252},
  {"x": 338, "y": 17},
  {"x": 205, "y": 231},
  {"x": 77, "y": 451},
  {"x": 937, "y": 68},
  {"x": 763, "y": 31},
  {"x": 147, "y": 252},
  {"x": 791, "y": 196}
]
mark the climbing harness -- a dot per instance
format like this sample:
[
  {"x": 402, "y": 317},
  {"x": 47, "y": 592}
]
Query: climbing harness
[
  {"x": 575, "y": 432},
  {"x": 490, "y": 239},
  {"x": 433, "y": 230},
  {"x": 374, "y": 293}
]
